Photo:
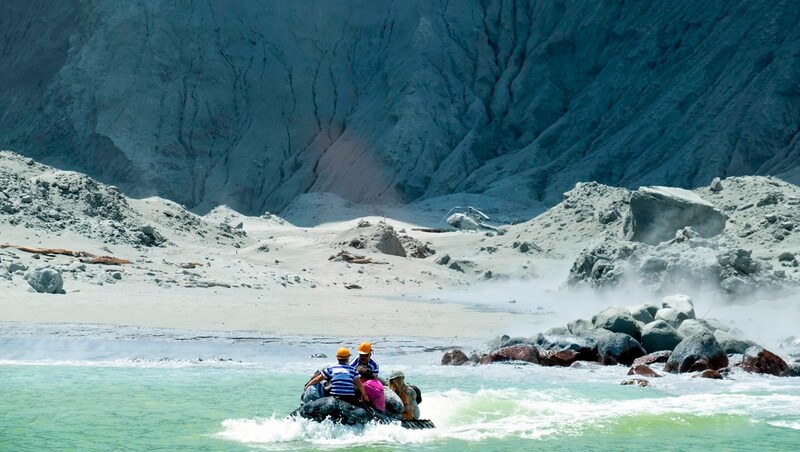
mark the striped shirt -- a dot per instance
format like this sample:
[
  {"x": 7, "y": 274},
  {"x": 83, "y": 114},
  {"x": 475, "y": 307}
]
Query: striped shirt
[
  {"x": 373, "y": 366},
  {"x": 342, "y": 377}
]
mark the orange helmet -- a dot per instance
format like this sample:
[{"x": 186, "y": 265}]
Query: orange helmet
[
  {"x": 343, "y": 352},
  {"x": 365, "y": 348}
]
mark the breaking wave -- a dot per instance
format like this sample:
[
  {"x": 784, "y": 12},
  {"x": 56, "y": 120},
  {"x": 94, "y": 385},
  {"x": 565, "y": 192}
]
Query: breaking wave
[{"x": 529, "y": 414}]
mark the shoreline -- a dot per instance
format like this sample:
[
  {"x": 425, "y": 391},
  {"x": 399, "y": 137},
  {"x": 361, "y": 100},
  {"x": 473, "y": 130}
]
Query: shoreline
[
  {"x": 321, "y": 312},
  {"x": 23, "y": 343}
]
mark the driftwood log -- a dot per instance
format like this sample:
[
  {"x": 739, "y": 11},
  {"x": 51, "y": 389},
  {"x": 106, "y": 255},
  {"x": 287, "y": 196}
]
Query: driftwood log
[
  {"x": 83, "y": 256},
  {"x": 344, "y": 256}
]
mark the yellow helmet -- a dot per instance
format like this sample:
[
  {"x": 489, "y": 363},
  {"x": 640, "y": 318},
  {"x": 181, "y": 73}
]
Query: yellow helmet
[
  {"x": 365, "y": 348},
  {"x": 343, "y": 352}
]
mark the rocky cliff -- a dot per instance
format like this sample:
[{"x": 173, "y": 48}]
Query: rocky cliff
[{"x": 250, "y": 103}]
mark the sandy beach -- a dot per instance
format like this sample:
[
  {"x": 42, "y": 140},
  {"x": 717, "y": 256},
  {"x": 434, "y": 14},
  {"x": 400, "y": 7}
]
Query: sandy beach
[
  {"x": 327, "y": 312},
  {"x": 291, "y": 288}
]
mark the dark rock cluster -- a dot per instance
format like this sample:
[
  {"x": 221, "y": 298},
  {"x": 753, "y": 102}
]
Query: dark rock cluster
[{"x": 636, "y": 336}]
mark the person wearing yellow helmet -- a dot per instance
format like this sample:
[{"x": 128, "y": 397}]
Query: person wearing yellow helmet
[
  {"x": 343, "y": 379},
  {"x": 364, "y": 358}
]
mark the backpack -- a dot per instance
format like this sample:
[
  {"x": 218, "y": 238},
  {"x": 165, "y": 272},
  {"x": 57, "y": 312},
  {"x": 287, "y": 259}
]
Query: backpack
[{"x": 419, "y": 394}]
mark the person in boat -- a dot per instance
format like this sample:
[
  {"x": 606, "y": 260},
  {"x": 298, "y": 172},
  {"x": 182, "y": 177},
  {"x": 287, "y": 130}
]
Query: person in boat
[
  {"x": 397, "y": 383},
  {"x": 364, "y": 358},
  {"x": 373, "y": 388},
  {"x": 343, "y": 378},
  {"x": 316, "y": 390}
]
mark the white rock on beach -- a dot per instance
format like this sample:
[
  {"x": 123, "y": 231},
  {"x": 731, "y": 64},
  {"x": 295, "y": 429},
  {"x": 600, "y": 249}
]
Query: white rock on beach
[
  {"x": 657, "y": 212},
  {"x": 45, "y": 279}
]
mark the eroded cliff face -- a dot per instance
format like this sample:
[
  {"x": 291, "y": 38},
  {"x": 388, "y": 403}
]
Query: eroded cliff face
[{"x": 250, "y": 103}]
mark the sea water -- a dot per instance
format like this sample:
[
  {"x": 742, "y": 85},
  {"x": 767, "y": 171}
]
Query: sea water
[{"x": 116, "y": 389}]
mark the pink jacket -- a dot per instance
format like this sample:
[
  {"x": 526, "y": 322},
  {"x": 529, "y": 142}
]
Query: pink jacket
[{"x": 374, "y": 390}]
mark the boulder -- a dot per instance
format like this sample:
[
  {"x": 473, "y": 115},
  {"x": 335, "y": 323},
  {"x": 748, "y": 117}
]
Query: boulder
[
  {"x": 497, "y": 342},
  {"x": 506, "y": 341},
  {"x": 585, "y": 348},
  {"x": 657, "y": 357},
  {"x": 517, "y": 340},
  {"x": 455, "y": 358},
  {"x": 690, "y": 327},
  {"x": 608, "y": 216},
  {"x": 709, "y": 373},
  {"x": 714, "y": 325},
  {"x": 558, "y": 330},
  {"x": 643, "y": 370},
  {"x": 644, "y": 312},
  {"x": 636, "y": 382},
  {"x": 525, "y": 353},
  {"x": 735, "y": 285},
  {"x": 456, "y": 266},
  {"x": 562, "y": 358},
  {"x": 602, "y": 263},
  {"x": 701, "y": 347},
  {"x": 732, "y": 344},
  {"x": 335, "y": 410},
  {"x": 45, "y": 279},
  {"x": 617, "y": 320},
  {"x": 148, "y": 236},
  {"x": 786, "y": 256},
  {"x": 759, "y": 360},
  {"x": 580, "y": 325},
  {"x": 14, "y": 267},
  {"x": 387, "y": 242},
  {"x": 688, "y": 234},
  {"x": 443, "y": 260},
  {"x": 680, "y": 303},
  {"x": 9, "y": 208},
  {"x": 740, "y": 261},
  {"x": 585, "y": 365},
  {"x": 653, "y": 264},
  {"x": 671, "y": 316},
  {"x": 657, "y": 212},
  {"x": 794, "y": 369},
  {"x": 699, "y": 366},
  {"x": 660, "y": 335},
  {"x": 615, "y": 348},
  {"x": 415, "y": 248}
]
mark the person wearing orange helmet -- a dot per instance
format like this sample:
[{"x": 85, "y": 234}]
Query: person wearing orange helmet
[
  {"x": 343, "y": 379},
  {"x": 364, "y": 358}
]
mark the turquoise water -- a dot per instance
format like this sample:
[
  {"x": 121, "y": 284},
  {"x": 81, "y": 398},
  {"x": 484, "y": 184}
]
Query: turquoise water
[{"x": 179, "y": 403}]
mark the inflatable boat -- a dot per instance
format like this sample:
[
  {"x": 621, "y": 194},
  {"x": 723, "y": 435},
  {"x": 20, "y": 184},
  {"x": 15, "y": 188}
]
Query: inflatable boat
[{"x": 345, "y": 413}]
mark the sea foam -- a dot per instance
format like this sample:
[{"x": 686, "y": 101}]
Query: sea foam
[{"x": 502, "y": 413}]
